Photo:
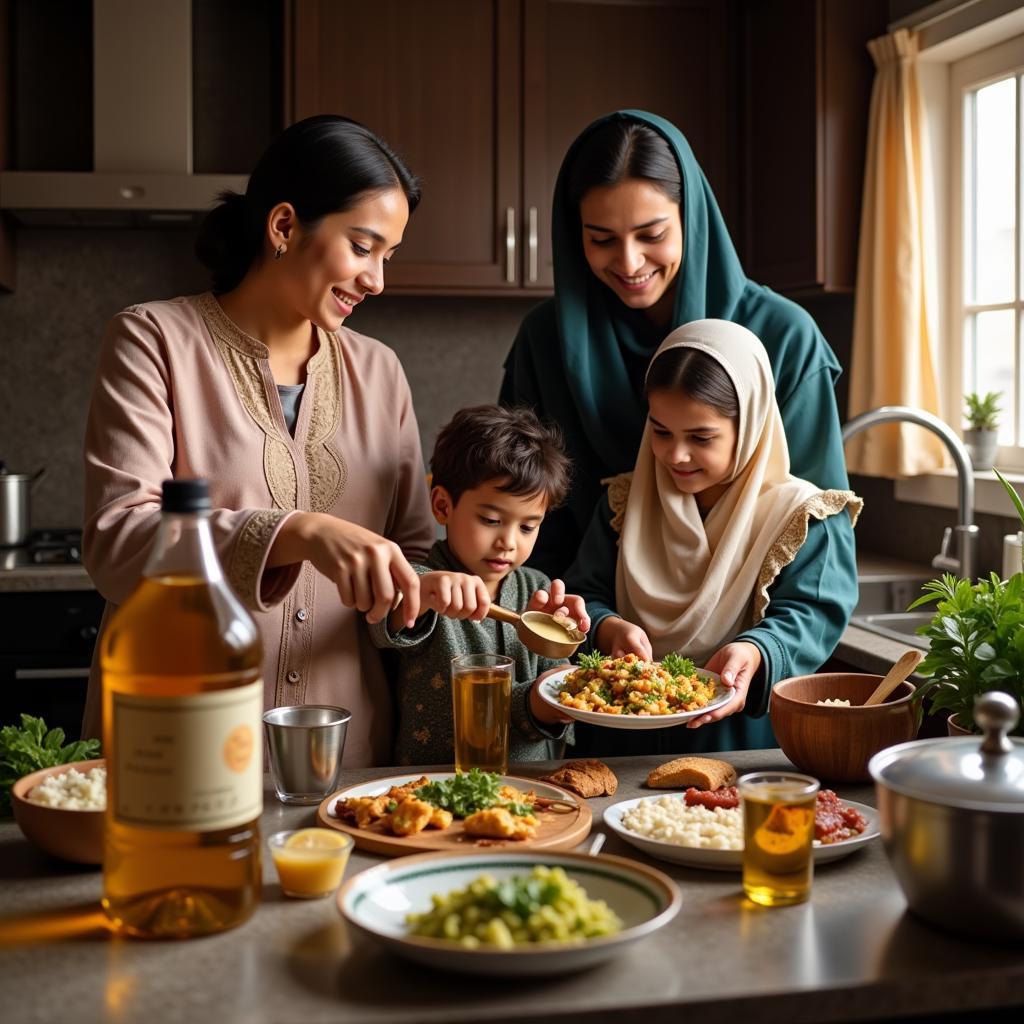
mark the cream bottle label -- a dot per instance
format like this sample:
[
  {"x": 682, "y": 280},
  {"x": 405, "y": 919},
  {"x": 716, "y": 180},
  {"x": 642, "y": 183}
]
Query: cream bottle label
[{"x": 189, "y": 763}]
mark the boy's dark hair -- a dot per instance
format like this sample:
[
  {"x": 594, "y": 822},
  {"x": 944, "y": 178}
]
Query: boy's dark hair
[
  {"x": 492, "y": 442},
  {"x": 697, "y": 374}
]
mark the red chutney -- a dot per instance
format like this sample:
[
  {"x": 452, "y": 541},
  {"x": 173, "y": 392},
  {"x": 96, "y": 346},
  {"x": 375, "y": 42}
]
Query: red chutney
[
  {"x": 725, "y": 796},
  {"x": 834, "y": 821}
]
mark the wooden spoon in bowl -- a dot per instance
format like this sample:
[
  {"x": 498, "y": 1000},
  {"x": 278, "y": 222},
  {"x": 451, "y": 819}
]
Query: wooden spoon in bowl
[{"x": 903, "y": 667}]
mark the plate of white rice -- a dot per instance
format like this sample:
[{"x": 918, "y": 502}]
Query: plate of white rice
[{"x": 666, "y": 828}]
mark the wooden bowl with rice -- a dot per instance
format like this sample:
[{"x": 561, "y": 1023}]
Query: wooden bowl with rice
[
  {"x": 75, "y": 835},
  {"x": 834, "y": 742}
]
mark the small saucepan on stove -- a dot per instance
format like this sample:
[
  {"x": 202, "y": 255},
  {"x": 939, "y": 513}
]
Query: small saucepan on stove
[{"x": 16, "y": 505}]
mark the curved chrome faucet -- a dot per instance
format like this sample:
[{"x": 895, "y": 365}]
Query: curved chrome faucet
[{"x": 965, "y": 560}]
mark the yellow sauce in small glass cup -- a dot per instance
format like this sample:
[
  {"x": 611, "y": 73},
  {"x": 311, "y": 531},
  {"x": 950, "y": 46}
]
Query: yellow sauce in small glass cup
[{"x": 310, "y": 861}]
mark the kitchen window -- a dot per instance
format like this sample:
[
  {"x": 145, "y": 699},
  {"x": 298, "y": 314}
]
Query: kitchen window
[{"x": 986, "y": 313}]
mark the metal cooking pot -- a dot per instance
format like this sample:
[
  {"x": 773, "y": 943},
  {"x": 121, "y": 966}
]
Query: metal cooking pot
[
  {"x": 16, "y": 505},
  {"x": 952, "y": 819}
]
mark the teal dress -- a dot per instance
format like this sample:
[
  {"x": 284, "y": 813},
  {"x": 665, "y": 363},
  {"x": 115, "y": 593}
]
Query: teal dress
[
  {"x": 580, "y": 358},
  {"x": 809, "y": 607}
]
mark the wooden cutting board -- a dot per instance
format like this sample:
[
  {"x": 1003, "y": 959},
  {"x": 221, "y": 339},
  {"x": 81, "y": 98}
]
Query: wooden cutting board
[{"x": 557, "y": 829}]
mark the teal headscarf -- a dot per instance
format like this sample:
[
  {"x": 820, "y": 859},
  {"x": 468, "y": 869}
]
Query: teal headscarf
[{"x": 596, "y": 394}]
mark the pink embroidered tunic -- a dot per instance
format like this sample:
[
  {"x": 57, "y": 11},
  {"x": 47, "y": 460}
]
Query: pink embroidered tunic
[{"x": 181, "y": 391}]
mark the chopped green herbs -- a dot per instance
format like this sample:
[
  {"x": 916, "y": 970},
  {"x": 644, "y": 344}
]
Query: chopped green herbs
[{"x": 468, "y": 792}]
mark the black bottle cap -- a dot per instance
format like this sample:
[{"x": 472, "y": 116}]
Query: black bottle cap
[{"x": 186, "y": 495}]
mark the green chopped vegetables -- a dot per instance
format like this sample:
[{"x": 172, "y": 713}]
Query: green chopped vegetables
[
  {"x": 592, "y": 661},
  {"x": 33, "y": 747},
  {"x": 544, "y": 906},
  {"x": 676, "y": 665},
  {"x": 469, "y": 792}
]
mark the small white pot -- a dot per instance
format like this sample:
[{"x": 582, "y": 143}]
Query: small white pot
[{"x": 981, "y": 446}]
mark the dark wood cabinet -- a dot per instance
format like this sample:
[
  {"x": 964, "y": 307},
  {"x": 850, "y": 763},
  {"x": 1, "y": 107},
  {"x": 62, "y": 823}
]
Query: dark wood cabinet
[
  {"x": 441, "y": 82},
  {"x": 808, "y": 77},
  {"x": 483, "y": 98},
  {"x": 585, "y": 59}
]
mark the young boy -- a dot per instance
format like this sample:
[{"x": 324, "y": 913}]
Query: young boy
[{"x": 496, "y": 472}]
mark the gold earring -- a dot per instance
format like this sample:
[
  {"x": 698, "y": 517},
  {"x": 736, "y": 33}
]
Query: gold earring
[{"x": 279, "y": 252}]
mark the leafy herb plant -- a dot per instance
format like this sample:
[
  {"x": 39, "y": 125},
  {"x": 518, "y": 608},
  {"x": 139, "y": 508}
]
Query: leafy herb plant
[
  {"x": 976, "y": 642},
  {"x": 982, "y": 413},
  {"x": 33, "y": 747}
]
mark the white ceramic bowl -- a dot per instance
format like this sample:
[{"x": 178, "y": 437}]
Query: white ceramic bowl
[
  {"x": 725, "y": 860},
  {"x": 377, "y": 901},
  {"x": 551, "y": 686}
]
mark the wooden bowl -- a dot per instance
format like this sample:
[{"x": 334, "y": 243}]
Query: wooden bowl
[
  {"x": 70, "y": 835},
  {"x": 836, "y": 743}
]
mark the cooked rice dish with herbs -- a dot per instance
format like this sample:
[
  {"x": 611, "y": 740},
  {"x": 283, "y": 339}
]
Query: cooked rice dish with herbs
[
  {"x": 632, "y": 686},
  {"x": 544, "y": 906}
]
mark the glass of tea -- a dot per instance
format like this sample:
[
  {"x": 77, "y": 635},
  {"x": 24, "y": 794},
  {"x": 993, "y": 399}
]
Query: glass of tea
[
  {"x": 778, "y": 836},
  {"x": 482, "y": 704}
]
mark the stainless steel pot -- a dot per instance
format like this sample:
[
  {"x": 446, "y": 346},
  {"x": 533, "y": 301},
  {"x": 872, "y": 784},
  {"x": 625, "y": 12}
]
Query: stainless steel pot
[
  {"x": 16, "y": 505},
  {"x": 952, "y": 820}
]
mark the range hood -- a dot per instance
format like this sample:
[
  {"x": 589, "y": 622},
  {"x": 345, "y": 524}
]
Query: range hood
[{"x": 142, "y": 142}]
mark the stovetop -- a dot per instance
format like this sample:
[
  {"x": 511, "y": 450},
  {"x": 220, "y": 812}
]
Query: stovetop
[{"x": 44, "y": 548}]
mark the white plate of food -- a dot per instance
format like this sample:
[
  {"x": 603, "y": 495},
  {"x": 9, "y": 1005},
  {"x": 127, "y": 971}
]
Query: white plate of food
[
  {"x": 692, "y": 826},
  {"x": 637, "y": 901},
  {"x": 646, "y": 693}
]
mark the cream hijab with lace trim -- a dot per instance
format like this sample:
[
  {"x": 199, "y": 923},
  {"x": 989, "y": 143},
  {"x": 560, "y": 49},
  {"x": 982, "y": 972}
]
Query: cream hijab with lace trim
[{"x": 693, "y": 584}]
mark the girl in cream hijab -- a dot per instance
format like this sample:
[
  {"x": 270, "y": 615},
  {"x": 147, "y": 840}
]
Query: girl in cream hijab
[{"x": 710, "y": 547}]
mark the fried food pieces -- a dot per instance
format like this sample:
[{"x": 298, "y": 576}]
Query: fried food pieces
[
  {"x": 397, "y": 809},
  {"x": 500, "y": 823},
  {"x": 588, "y": 777},
  {"x": 401, "y": 812}
]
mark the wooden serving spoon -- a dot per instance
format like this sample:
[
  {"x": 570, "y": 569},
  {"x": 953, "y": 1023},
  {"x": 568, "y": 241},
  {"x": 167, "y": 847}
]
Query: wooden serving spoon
[{"x": 903, "y": 667}]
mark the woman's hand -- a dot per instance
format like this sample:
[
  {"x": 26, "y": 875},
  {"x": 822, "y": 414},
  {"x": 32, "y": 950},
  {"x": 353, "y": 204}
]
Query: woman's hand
[
  {"x": 736, "y": 664},
  {"x": 557, "y": 600},
  {"x": 368, "y": 570},
  {"x": 455, "y": 594},
  {"x": 617, "y": 638},
  {"x": 540, "y": 708}
]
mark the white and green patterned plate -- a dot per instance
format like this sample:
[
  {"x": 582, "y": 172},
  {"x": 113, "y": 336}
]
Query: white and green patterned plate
[{"x": 376, "y": 902}]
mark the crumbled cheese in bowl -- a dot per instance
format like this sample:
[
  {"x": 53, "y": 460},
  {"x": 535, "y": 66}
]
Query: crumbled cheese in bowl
[
  {"x": 834, "y": 702},
  {"x": 73, "y": 791},
  {"x": 670, "y": 820}
]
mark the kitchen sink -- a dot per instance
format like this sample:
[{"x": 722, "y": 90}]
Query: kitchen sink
[
  {"x": 882, "y": 607},
  {"x": 896, "y": 625}
]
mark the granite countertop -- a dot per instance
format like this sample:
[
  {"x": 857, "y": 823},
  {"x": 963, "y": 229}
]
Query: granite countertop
[
  {"x": 46, "y": 577},
  {"x": 852, "y": 952}
]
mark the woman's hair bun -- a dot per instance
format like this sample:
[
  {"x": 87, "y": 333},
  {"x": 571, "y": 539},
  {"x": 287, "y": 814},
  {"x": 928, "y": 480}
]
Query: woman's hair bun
[{"x": 223, "y": 244}]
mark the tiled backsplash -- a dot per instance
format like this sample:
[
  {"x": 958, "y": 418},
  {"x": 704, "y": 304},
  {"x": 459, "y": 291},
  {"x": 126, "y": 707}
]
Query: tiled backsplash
[{"x": 70, "y": 282}]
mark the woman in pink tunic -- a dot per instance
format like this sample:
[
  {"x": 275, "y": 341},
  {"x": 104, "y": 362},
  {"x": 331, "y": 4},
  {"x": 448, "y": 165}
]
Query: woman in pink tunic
[{"x": 304, "y": 428}]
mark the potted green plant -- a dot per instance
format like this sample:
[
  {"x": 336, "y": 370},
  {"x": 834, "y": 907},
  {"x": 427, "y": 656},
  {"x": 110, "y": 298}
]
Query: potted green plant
[
  {"x": 976, "y": 642},
  {"x": 981, "y": 435}
]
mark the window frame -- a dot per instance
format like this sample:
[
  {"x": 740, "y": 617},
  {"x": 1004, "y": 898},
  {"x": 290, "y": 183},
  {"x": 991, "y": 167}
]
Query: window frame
[{"x": 966, "y": 75}]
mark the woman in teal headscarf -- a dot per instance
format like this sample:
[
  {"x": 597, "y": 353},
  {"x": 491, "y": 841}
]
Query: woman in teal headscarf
[
  {"x": 640, "y": 248},
  {"x": 580, "y": 358}
]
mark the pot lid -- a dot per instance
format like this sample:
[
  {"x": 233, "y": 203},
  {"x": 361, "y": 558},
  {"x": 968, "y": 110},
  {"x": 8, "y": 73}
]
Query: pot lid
[{"x": 984, "y": 774}]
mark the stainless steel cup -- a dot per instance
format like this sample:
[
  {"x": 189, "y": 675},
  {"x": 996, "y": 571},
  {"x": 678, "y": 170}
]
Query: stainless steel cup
[{"x": 305, "y": 743}]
